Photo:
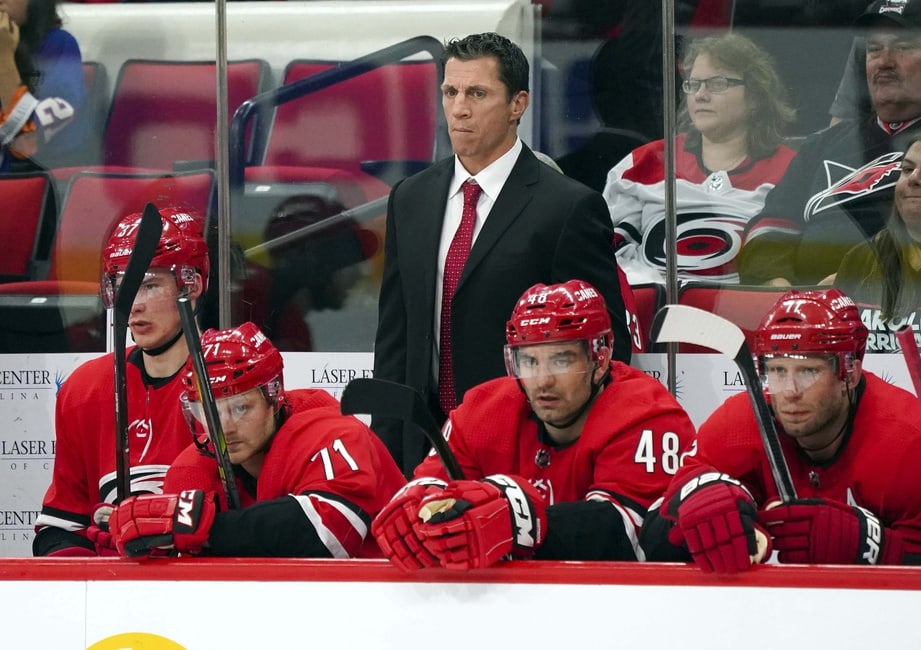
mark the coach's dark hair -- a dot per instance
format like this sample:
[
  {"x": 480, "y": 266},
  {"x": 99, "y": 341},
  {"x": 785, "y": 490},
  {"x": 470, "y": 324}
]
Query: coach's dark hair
[
  {"x": 41, "y": 17},
  {"x": 513, "y": 65}
]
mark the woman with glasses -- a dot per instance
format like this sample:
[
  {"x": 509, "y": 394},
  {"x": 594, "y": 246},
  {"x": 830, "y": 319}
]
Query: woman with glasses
[{"x": 729, "y": 154}]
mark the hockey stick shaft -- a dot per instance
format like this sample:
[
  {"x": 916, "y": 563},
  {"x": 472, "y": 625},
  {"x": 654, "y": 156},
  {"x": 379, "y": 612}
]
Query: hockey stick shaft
[
  {"x": 212, "y": 418},
  {"x": 684, "y": 324},
  {"x": 145, "y": 246},
  {"x": 906, "y": 338},
  {"x": 389, "y": 399}
]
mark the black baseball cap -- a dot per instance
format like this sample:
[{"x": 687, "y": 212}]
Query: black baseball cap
[{"x": 896, "y": 13}]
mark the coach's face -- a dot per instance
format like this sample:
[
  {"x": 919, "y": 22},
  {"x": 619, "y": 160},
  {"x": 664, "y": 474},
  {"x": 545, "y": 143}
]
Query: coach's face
[
  {"x": 894, "y": 73},
  {"x": 482, "y": 119}
]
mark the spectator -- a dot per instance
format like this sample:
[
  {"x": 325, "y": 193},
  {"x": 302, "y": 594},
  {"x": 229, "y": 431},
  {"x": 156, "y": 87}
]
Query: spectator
[
  {"x": 309, "y": 478},
  {"x": 728, "y": 157},
  {"x": 41, "y": 88},
  {"x": 886, "y": 271},
  {"x": 441, "y": 315},
  {"x": 84, "y": 465},
  {"x": 561, "y": 458},
  {"x": 837, "y": 191},
  {"x": 851, "y": 440}
]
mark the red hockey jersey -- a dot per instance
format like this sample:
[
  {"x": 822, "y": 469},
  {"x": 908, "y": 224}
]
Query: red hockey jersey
[
  {"x": 336, "y": 469},
  {"x": 627, "y": 453}
]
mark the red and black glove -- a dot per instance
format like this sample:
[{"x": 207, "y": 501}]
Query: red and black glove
[
  {"x": 473, "y": 524},
  {"x": 148, "y": 523},
  {"x": 98, "y": 531},
  {"x": 395, "y": 526},
  {"x": 715, "y": 517},
  {"x": 819, "y": 531}
]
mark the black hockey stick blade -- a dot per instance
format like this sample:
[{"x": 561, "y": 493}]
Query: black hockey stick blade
[
  {"x": 145, "y": 246},
  {"x": 388, "y": 399},
  {"x": 212, "y": 419},
  {"x": 685, "y": 324}
]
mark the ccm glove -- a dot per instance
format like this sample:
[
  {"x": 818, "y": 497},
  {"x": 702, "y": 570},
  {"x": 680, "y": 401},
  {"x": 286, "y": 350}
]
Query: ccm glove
[
  {"x": 395, "y": 527},
  {"x": 819, "y": 531},
  {"x": 715, "y": 517},
  {"x": 144, "y": 524},
  {"x": 98, "y": 531},
  {"x": 473, "y": 524}
]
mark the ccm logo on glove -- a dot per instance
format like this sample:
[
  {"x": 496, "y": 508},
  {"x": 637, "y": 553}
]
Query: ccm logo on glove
[{"x": 521, "y": 511}]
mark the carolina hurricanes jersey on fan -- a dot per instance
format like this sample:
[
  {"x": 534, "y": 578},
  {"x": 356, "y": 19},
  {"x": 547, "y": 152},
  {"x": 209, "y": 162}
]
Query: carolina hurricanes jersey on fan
[
  {"x": 58, "y": 114},
  {"x": 876, "y": 469},
  {"x": 84, "y": 464},
  {"x": 628, "y": 450},
  {"x": 836, "y": 194},
  {"x": 336, "y": 470},
  {"x": 713, "y": 210}
]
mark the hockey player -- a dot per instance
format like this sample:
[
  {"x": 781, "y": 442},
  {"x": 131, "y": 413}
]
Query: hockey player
[
  {"x": 852, "y": 443},
  {"x": 309, "y": 478},
  {"x": 84, "y": 466},
  {"x": 561, "y": 458}
]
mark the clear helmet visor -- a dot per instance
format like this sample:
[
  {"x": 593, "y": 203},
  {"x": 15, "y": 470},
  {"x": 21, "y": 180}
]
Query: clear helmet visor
[
  {"x": 795, "y": 373},
  {"x": 157, "y": 284},
  {"x": 545, "y": 359},
  {"x": 236, "y": 408}
]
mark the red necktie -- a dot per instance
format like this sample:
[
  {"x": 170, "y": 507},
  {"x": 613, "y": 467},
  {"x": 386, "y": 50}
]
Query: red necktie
[{"x": 454, "y": 264}]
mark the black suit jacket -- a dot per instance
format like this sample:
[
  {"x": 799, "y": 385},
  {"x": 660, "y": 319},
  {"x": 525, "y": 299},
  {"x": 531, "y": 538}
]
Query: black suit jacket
[{"x": 543, "y": 227}]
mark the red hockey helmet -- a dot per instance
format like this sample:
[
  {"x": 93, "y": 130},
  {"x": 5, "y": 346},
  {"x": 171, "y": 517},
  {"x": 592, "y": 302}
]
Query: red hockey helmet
[
  {"x": 571, "y": 311},
  {"x": 181, "y": 249},
  {"x": 813, "y": 322},
  {"x": 238, "y": 360}
]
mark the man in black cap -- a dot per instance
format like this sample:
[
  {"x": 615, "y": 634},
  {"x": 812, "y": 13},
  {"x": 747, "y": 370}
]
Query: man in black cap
[{"x": 838, "y": 189}]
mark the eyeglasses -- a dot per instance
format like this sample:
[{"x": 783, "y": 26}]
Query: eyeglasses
[{"x": 713, "y": 84}]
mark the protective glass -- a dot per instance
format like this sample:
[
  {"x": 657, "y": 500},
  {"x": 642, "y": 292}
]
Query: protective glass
[
  {"x": 796, "y": 378},
  {"x": 530, "y": 361},
  {"x": 712, "y": 84},
  {"x": 236, "y": 408}
]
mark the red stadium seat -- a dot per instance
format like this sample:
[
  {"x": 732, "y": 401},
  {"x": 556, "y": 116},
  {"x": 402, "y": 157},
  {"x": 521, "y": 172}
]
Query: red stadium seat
[
  {"x": 386, "y": 115},
  {"x": 742, "y": 304},
  {"x": 163, "y": 112},
  {"x": 94, "y": 202},
  {"x": 26, "y": 207}
]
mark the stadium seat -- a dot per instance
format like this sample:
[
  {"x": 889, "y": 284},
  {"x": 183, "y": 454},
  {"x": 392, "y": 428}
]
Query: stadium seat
[
  {"x": 96, "y": 78},
  {"x": 382, "y": 121},
  {"x": 61, "y": 311},
  {"x": 744, "y": 305},
  {"x": 163, "y": 112},
  {"x": 27, "y": 209}
]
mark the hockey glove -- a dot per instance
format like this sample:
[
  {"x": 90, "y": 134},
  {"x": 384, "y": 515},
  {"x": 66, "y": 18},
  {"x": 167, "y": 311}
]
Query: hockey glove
[
  {"x": 715, "y": 517},
  {"x": 395, "y": 527},
  {"x": 98, "y": 531},
  {"x": 819, "y": 531},
  {"x": 145, "y": 524},
  {"x": 473, "y": 524}
]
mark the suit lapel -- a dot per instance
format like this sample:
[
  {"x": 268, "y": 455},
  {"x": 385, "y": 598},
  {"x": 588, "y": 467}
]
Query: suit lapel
[
  {"x": 426, "y": 224},
  {"x": 516, "y": 194}
]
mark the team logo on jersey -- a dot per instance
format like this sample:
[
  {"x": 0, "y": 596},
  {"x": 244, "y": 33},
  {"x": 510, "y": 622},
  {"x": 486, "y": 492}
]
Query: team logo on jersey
[
  {"x": 707, "y": 243},
  {"x": 846, "y": 184},
  {"x": 542, "y": 458}
]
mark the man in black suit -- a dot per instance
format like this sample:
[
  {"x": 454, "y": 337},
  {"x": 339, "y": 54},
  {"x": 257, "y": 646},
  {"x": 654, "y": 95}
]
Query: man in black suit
[{"x": 532, "y": 225}]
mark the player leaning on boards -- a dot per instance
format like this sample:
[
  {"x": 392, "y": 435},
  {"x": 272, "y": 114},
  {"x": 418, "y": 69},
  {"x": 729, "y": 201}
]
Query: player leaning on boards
[
  {"x": 309, "y": 478},
  {"x": 852, "y": 443},
  {"x": 84, "y": 467},
  {"x": 561, "y": 458}
]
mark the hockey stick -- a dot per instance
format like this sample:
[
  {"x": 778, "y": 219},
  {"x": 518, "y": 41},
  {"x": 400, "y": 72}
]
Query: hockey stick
[
  {"x": 389, "y": 399},
  {"x": 145, "y": 246},
  {"x": 906, "y": 338},
  {"x": 212, "y": 419},
  {"x": 684, "y": 324}
]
